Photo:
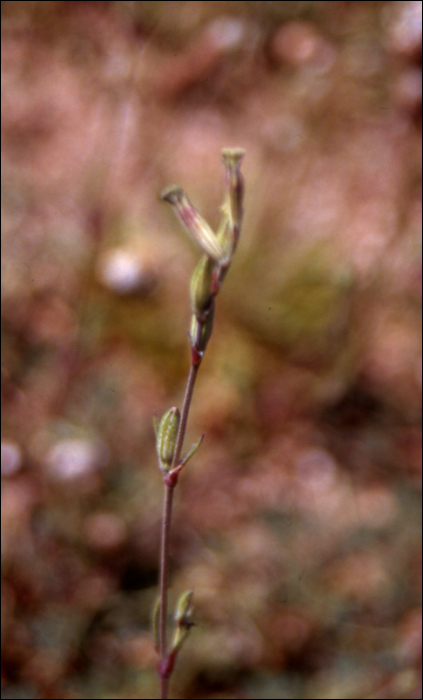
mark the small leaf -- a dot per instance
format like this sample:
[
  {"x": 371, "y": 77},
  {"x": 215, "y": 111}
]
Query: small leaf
[
  {"x": 156, "y": 619},
  {"x": 192, "y": 450}
]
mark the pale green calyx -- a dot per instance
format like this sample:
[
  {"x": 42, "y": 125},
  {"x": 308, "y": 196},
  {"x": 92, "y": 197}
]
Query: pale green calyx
[
  {"x": 201, "y": 286},
  {"x": 166, "y": 433}
]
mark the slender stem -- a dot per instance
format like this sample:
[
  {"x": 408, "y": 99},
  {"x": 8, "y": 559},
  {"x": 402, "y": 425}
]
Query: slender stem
[
  {"x": 164, "y": 576},
  {"x": 185, "y": 412},
  {"x": 164, "y": 686},
  {"x": 166, "y": 671}
]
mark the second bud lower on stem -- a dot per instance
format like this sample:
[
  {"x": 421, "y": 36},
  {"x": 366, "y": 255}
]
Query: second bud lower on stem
[{"x": 166, "y": 433}]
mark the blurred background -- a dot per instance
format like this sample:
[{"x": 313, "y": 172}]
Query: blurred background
[{"x": 298, "y": 523}]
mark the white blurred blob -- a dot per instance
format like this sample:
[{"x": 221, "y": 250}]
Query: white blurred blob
[
  {"x": 73, "y": 458},
  {"x": 11, "y": 458},
  {"x": 299, "y": 44},
  {"x": 122, "y": 272},
  {"x": 226, "y": 33}
]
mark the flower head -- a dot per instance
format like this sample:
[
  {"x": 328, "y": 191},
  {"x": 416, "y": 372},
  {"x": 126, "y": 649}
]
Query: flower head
[{"x": 196, "y": 226}]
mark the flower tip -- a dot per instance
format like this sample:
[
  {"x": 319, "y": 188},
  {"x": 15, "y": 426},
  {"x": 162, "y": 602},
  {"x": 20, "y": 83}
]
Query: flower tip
[
  {"x": 232, "y": 157},
  {"x": 172, "y": 194}
]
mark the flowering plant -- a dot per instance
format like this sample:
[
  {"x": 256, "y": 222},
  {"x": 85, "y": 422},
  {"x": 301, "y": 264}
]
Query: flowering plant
[{"x": 218, "y": 251}]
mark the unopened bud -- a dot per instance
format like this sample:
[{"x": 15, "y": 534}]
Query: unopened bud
[
  {"x": 184, "y": 609},
  {"x": 232, "y": 158},
  {"x": 196, "y": 226},
  {"x": 166, "y": 434},
  {"x": 201, "y": 285},
  {"x": 183, "y": 621}
]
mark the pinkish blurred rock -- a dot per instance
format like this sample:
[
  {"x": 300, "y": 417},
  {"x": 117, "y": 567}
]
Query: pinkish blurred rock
[
  {"x": 405, "y": 27},
  {"x": 407, "y": 90},
  {"x": 11, "y": 458},
  {"x": 75, "y": 458},
  {"x": 299, "y": 44}
]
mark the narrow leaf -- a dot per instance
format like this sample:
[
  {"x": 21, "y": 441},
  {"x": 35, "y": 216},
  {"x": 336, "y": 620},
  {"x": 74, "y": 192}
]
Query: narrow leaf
[{"x": 192, "y": 450}]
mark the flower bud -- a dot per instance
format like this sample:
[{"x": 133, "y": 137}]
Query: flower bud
[
  {"x": 183, "y": 621},
  {"x": 201, "y": 285},
  {"x": 184, "y": 609},
  {"x": 166, "y": 434},
  {"x": 196, "y": 226},
  {"x": 232, "y": 158}
]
